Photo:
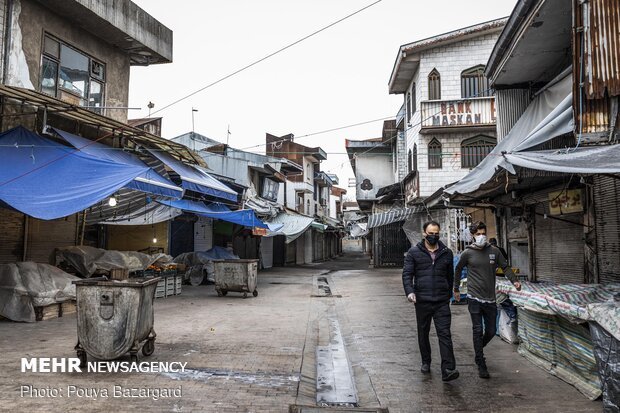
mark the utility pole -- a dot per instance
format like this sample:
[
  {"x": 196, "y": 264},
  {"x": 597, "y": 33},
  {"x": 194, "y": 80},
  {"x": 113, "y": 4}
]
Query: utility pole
[{"x": 193, "y": 137}]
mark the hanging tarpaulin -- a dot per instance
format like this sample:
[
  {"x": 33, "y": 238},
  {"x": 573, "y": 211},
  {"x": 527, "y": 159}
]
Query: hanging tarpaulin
[
  {"x": 395, "y": 215},
  {"x": 47, "y": 180},
  {"x": 150, "y": 181},
  {"x": 195, "y": 178},
  {"x": 290, "y": 224},
  {"x": 153, "y": 213},
  {"x": 245, "y": 217}
]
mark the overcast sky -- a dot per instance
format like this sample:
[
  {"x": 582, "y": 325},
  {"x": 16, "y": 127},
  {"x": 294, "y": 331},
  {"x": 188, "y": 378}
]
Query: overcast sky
[{"x": 336, "y": 78}]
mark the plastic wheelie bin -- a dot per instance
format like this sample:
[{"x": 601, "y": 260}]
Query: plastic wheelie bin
[
  {"x": 115, "y": 317},
  {"x": 236, "y": 275}
]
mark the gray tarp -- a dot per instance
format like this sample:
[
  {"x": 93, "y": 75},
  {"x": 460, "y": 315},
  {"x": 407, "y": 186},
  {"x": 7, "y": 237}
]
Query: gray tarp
[
  {"x": 88, "y": 260},
  {"x": 200, "y": 261},
  {"x": 293, "y": 225},
  {"x": 584, "y": 160},
  {"x": 359, "y": 229},
  {"x": 607, "y": 354},
  {"x": 25, "y": 285},
  {"x": 153, "y": 213},
  {"x": 548, "y": 116},
  {"x": 395, "y": 215}
]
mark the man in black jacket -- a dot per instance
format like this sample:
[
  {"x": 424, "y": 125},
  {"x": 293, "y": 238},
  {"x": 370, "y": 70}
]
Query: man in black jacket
[{"x": 428, "y": 275}]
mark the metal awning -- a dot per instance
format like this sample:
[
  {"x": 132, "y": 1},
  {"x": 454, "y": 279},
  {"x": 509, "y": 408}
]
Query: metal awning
[
  {"x": 51, "y": 105},
  {"x": 395, "y": 215}
]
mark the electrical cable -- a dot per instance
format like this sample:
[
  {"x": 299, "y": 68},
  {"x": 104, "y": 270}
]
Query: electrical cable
[{"x": 267, "y": 56}]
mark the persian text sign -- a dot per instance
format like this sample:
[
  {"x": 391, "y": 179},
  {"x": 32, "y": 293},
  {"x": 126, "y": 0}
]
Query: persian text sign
[{"x": 565, "y": 202}]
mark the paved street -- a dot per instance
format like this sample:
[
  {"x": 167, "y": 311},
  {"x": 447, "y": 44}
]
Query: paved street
[{"x": 259, "y": 354}]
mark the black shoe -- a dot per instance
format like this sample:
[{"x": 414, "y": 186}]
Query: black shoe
[
  {"x": 449, "y": 375},
  {"x": 425, "y": 368},
  {"x": 483, "y": 373}
]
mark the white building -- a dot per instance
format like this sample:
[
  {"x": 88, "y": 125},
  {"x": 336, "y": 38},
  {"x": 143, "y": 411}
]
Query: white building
[{"x": 449, "y": 109}]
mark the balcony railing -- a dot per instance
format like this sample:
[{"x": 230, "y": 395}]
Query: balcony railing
[
  {"x": 302, "y": 187},
  {"x": 446, "y": 114}
]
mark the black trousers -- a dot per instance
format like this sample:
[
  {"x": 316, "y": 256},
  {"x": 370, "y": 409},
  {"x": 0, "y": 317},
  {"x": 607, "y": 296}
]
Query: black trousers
[
  {"x": 440, "y": 314},
  {"x": 480, "y": 312}
]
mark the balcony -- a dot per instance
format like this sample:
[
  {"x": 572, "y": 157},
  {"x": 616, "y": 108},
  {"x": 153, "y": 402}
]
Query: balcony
[
  {"x": 304, "y": 187},
  {"x": 460, "y": 114}
]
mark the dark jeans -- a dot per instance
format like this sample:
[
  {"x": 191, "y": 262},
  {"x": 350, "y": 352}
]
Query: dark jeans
[
  {"x": 482, "y": 335},
  {"x": 440, "y": 314}
]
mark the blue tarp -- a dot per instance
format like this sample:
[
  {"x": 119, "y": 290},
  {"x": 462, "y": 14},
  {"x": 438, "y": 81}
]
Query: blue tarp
[
  {"x": 47, "y": 180},
  {"x": 195, "y": 179},
  {"x": 245, "y": 217},
  {"x": 150, "y": 181}
]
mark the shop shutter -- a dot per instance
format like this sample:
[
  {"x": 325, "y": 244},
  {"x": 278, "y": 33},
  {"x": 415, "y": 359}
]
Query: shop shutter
[
  {"x": 607, "y": 211},
  {"x": 203, "y": 234},
  {"x": 279, "y": 250},
  {"x": 291, "y": 252},
  {"x": 266, "y": 251},
  {"x": 559, "y": 247},
  {"x": 11, "y": 236},
  {"x": 45, "y": 236}
]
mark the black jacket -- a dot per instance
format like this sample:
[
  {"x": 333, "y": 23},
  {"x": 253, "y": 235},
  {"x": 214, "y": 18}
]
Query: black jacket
[{"x": 430, "y": 281}]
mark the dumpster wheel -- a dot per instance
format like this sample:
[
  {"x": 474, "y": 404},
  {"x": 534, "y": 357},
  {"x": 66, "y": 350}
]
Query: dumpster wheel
[
  {"x": 81, "y": 354},
  {"x": 255, "y": 293},
  {"x": 149, "y": 347}
]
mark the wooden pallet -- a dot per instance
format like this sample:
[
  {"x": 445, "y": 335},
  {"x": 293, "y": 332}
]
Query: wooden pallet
[{"x": 55, "y": 310}]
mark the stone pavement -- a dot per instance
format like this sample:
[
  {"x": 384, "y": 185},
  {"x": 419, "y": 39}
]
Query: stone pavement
[{"x": 259, "y": 354}]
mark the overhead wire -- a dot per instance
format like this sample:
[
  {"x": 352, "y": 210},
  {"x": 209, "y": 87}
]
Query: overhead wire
[{"x": 262, "y": 59}]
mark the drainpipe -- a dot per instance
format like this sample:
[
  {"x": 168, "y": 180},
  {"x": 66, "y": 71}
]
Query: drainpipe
[{"x": 8, "y": 38}]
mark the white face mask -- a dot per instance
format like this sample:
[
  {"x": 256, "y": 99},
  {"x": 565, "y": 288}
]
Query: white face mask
[{"x": 480, "y": 240}]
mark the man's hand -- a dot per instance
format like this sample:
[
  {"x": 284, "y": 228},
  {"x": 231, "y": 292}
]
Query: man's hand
[
  {"x": 517, "y": 285},
  {"x": 411, "y": 298},
  {"x": 457, "y": 295}
]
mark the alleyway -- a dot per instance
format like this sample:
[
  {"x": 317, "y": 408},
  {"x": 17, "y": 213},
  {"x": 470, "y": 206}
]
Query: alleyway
[{"x": 259, "y": 354}]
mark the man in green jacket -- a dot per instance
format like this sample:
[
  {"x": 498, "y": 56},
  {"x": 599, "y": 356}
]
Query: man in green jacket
[{"x": 482, "y": 260}]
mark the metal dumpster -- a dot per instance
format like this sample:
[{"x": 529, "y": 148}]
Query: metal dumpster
[
  {"x": 115, "y": 317},
  {"x": 235, "y": 275}
]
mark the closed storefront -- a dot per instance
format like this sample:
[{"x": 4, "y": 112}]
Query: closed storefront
[
  {"x": 279, "y": 250},
  {"x": 390, "y": 245},
  {"x": 266, "y": 252},
  {"x": 203, "y": 234},
  {"x": 607, "y": 213},
  {"x": 11, "y": 236},
  {"x": 45, "y": 236},
  {"x": 558, "y": 246}
]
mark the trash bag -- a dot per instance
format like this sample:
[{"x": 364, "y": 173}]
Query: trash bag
[{"x": 606, "y": 353}]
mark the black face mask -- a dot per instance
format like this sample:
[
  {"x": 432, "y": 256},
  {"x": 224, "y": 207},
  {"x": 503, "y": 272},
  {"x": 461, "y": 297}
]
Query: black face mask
[{"x": 432, "y": 239}]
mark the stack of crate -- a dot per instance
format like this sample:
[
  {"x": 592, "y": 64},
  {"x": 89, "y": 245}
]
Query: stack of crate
[{"x": 170, "y": 284}]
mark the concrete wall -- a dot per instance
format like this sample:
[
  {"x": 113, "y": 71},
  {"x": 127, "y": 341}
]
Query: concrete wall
[
  {"x": 31, "y": 20},
  {"x": 375, "y": 167},
  {"x": 137, "y": 237},
  {"x": 450, "y": 61}
]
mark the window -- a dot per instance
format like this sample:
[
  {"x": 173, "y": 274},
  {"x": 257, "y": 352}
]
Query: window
[
  {"x": 434, "y": 85},
  {"x": 434, "y": 154},
  {"x": 408, "y": 106},
  {"x": 270, "y": 189},
  {"x": 474, "y": 83},
  {"x": 414, "y": 157},
  {"x": 474, "y": 150},
  {"x": 71, "y": 75},
  {"x": 410, "y": 161}
]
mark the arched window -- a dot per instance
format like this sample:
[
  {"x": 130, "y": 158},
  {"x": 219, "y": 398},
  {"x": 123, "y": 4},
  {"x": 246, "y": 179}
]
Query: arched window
[
  {"x": 475, "y": 149},
  {"x": 434, "y": 154},
  {"x": 409, "y": 160},
  {"x": 414, "y": 158},
  {"x": 474, "y": 83},
  {"x": 434, "y": 85}
]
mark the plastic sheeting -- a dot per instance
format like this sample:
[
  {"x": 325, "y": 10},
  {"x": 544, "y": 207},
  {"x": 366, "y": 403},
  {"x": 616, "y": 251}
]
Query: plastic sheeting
[
  {"x": 395, "y": 215},
  {"x": 607, "y": 354},
  {"x": 47, "y": 180},
  {"x": 245, "y": 217},
  {"x": 195, "y": 178},
  {"x": 584, "y": 160},
  {"x": 89, "y": 261},
  {"x": 26, "y": 285},
  {"x": 150, "y": 181},
  {"x": 358, "y": 229},
  {"x": 202, "y": 261},
  {"x": 548, "y": 116},
  {"x": 293, "y": 225},
  {"x": 153, "y": 213}
]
